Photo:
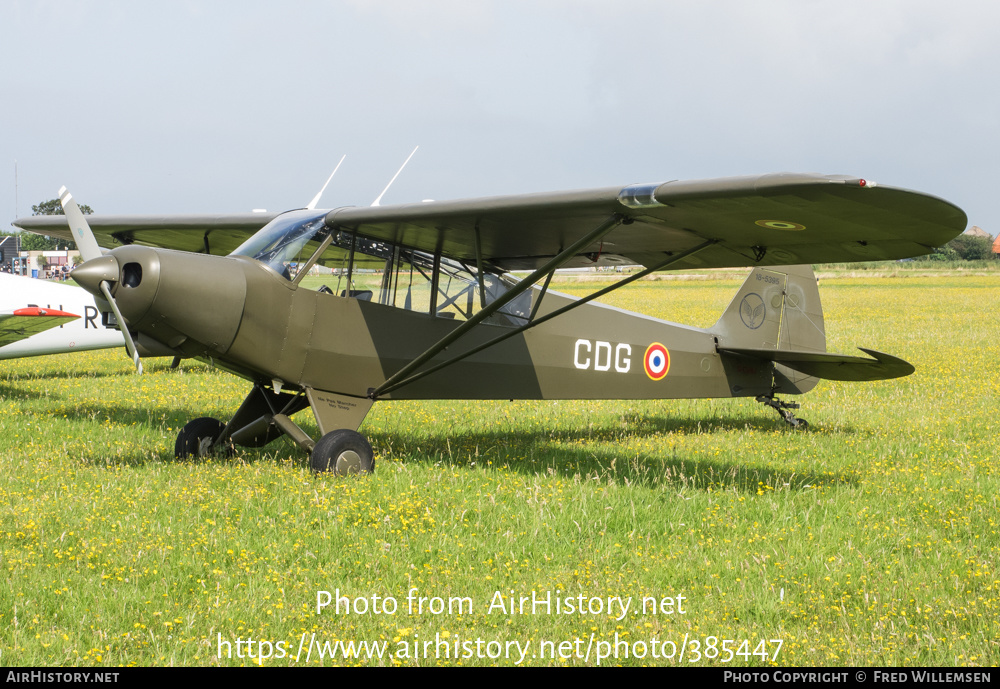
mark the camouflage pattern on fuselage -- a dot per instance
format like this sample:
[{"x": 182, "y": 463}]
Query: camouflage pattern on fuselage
[{"x": 248, "y": 319}]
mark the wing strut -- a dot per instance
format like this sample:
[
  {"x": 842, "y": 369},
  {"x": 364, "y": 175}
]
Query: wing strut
[
  {"x": 559, "y": 259},
  {"x": 391, "y": 385},
  {"x": 479, "y": 270},
  {"x": 538, "y": 302}
]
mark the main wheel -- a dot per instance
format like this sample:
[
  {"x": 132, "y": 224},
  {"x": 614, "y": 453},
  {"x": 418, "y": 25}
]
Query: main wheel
[
  {"x": 197, "y": 437},
  {"x": 343, "y": 452}
]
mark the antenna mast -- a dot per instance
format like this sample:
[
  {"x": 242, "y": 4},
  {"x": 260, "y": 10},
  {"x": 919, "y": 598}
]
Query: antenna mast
[{"x": 376, "y": 201}]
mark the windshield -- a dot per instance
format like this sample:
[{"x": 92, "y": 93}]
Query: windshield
[{"x": 286, "y": 241}]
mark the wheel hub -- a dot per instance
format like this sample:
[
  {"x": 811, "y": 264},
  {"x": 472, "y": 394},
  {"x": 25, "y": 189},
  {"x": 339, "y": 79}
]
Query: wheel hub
[
  {"x": 348, "y": 462},
  {"x": 204, "y": 446}
]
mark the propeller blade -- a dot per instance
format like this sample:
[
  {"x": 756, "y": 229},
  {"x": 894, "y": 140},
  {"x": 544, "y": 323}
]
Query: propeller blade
[
  {"x": 79, "y": 227},
  {"x": 89, "y": 250},
  {"x": 129, "y": 344}
]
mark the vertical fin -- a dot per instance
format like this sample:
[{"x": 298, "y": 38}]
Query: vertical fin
[
  {"x": 777, "y": 308},
  {"x": 753, "y": 317}
]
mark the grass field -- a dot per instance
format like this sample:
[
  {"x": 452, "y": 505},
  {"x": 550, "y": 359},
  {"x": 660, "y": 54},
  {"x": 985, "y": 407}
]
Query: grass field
[{"x": 872, "y": 538}]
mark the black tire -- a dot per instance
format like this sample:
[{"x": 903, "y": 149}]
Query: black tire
[
  {"x": 191, "y": 441},
  {"x": 343, "y": 452}
]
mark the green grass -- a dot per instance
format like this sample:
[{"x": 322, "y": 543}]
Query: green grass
[
  {"x": 870, "y": 539},
  {"x": 909, "y": 268}
]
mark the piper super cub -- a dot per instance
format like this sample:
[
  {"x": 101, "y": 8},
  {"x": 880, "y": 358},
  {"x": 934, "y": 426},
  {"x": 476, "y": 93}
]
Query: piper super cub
[{"x": 421, "y": 302}]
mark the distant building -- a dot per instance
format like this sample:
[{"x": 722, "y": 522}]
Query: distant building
[
  {"x": 10, "y": 249},
  {"x": 46, "y": 264}
]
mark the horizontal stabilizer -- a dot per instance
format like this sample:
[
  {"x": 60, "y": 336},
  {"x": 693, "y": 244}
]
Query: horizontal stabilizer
[{"x": 833, "y": 366}]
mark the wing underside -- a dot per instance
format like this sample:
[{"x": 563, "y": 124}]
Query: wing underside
[{"x": 21, "y": 324}]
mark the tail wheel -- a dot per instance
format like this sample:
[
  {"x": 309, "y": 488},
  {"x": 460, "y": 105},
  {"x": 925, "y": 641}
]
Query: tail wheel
[
  {"x": 343, "y": 452},
  {"x": 198, "y": 438}
]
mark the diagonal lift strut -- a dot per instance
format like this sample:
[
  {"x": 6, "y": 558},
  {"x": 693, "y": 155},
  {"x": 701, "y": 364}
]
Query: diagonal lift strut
[
  {"x": 398, "y": 380},
  {"x": 555, "y": 262}
]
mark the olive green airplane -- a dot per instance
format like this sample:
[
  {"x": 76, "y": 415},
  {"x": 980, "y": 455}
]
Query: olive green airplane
[{"x": 452, "y": 299}]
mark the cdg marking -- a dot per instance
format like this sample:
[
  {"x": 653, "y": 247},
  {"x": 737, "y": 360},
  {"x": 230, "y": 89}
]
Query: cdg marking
[{"x": 598, "y": 356}]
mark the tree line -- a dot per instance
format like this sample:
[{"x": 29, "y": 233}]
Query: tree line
[{"x": 964, "y": 247}]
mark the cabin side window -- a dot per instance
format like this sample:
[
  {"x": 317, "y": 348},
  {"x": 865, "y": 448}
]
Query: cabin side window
[{"x": 418, "y": 281}]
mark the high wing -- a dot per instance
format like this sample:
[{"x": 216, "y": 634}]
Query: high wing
[
  {"x": 220, "y": 234},
  {"x": 765, "y": 220},
  {"x": 21, "y": 324}
]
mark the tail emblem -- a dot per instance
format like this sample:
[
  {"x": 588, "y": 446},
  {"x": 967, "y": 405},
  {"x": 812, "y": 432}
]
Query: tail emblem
[
  {"x": 656, "y": 361},
  {"x": 752, "y": 311}
]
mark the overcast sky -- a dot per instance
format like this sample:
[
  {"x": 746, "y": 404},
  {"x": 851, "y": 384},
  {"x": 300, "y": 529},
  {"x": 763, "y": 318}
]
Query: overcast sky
[{"x": 180, "y": 107}]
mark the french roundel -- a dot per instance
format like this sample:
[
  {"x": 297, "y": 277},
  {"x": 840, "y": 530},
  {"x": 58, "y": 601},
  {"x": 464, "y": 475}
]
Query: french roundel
[{"x": 657, "y": 361}]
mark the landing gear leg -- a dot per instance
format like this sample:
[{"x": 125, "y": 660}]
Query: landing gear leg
[{"x": 784, "y": 408}]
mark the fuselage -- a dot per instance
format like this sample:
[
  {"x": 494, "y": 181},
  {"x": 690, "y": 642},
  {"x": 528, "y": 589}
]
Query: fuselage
[
  {"x": 246, "y": 317},
  {"x": 399, "y": 323}
]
